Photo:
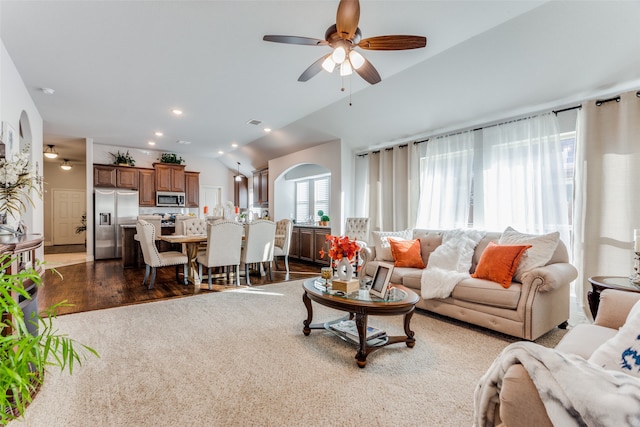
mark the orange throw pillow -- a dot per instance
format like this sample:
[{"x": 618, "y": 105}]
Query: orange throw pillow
[
  {"x": 498, "y": 263},
  {"x": 406, "y": 253}
]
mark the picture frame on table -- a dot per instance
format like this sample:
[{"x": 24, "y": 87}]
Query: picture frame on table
[{"x": 381, "y": 279}]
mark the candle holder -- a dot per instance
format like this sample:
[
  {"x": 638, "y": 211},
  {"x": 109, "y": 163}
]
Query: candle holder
[{"x": 635, "y": 278}]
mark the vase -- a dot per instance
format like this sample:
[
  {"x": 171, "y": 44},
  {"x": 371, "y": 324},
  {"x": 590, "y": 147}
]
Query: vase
[
  {"x": 10, "y": 224},
  {"x": 344, "y": 270}
]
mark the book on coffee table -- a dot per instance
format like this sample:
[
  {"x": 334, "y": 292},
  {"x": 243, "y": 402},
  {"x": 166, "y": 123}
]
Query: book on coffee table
[{"x": 350, "y": 330}]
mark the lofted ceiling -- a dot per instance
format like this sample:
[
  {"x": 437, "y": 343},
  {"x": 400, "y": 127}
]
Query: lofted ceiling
[{"x": 118, "y": 68}]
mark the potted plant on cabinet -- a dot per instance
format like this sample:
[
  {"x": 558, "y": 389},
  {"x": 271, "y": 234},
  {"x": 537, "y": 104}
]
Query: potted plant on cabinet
[
  {"x": 28, "y": 345},
  {"x": 324, "y": 219},
  {"x": 171, "y": 158},
  {"x": 123, "y": 159}
]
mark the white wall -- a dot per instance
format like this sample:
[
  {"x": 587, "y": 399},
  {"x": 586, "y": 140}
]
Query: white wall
[
  {"x": 14, "y": 99},
  {"x": 329, "y": 155}
]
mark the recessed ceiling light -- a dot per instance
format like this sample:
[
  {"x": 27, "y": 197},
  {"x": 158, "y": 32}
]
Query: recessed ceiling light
[
  {"x": 267, "y": 130},
  {"x": 159, "y": 133},
  {"x": 47, "y": 90},
  {"x": 234, "y": 145},
  {"x": 151, "y": 143},
  {"x": 176, "y": 112},
  {"x": 220, "y": 152}
]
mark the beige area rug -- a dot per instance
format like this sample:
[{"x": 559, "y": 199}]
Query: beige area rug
[
  {"x": 61, "y": 260},
  {"x": 240, "y": 358}
]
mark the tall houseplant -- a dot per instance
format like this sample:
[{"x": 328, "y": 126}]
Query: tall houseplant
[{"x": 25, "y": 355}]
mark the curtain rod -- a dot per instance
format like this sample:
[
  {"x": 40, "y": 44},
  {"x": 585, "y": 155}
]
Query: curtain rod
[
  {"x": 599, "y": 102},
  {"x": 575, "y": 107}
]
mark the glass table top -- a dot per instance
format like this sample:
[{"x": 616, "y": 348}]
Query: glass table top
[{"x": 393, "y": 294}]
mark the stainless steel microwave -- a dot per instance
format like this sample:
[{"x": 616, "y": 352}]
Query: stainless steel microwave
[{"x": 167, "y": 198}]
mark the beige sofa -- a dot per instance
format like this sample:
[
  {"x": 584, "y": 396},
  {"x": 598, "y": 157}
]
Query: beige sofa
[
  {"x": 520, "y": 403},
  {"x": 525, "y": 310}
]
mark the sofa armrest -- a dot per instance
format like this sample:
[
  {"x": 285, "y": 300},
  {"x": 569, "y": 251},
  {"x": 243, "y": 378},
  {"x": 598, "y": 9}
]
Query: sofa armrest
[
  {"x": 614, "y": 307},
  {"x": 550, "y": 276},
  {"x": 367, "y": 254}
]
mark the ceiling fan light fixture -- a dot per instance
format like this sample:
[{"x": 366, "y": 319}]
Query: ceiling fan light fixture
[
  {"x": 329, "y": 64},
  {"x": 339, "y": 55},
  {"x": 66, "y": 165},
  {"x": 345, "y": 68},
  {"x": 356, "y": 59},
  {"x": 50, "y": 152}
]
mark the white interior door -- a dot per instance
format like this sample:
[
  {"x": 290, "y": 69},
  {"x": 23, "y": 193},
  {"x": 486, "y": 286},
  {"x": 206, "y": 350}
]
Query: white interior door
[
  {"x": 210, "y": 196},
  {"x": 68, "y": 208}
]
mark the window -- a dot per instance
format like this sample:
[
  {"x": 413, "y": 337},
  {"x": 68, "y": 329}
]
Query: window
[{"x": 312, "y": 195}]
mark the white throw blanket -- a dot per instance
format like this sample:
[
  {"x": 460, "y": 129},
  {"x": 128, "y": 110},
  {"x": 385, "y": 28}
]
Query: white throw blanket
[
  {"x": 574, "y": 391},
  {"x": 449, "y": 263}
]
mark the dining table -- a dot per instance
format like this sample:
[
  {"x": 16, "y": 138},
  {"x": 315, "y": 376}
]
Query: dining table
[{"x": 191, "y": 242}]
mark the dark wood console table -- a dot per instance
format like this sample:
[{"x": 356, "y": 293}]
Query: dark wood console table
[{"x": 600, "y": 283}]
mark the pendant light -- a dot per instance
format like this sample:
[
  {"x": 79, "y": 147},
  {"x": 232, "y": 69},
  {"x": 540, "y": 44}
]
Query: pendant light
[
  {"x": 238, "y": 177},
  {"x": 66, "y": 165},
  {"x": 50, "y": 152}
]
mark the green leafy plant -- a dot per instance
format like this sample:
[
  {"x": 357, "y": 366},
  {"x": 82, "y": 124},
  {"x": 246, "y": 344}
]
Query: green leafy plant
[
  {"x": 123, "y": 158},
  {"x": 83, "y": 224},
  {"x": 320, "y": 212},
  {"x": 325, "y": 218},
  {"x": 171, "y": 158},
  {"x": 25, "y": 355}
]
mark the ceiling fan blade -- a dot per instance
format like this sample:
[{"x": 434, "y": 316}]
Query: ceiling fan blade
[
  {"x": 295, "y": 40},
  {"x": 368, "y": 72},
  {"x": 393, "y": 42},
  {"x": 313, "y": 69},
  {"x": 347, "y": 18}
]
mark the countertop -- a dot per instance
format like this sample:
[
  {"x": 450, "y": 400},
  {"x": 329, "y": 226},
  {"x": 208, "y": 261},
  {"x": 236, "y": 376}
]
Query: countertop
[{"x": 311, "y": 226}]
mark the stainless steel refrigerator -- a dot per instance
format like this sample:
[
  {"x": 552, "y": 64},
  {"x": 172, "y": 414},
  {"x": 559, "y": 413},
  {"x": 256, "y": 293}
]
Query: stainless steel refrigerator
[{"x": 113, "y": 208}]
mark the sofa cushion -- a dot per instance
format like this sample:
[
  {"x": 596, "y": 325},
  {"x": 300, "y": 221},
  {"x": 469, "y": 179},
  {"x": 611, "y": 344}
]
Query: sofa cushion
[
  {"x": 541, "y": 251},
  {"x": 429, "y": 241},
  {"x": 383, "y": 249},
  {"x": 406, "y": 253},
  {"x": 487, "y": 292},
  {"x": 622, "y": 352},
  {"x": 498, "y": 263},
  {"x": 583, "y": 339}
]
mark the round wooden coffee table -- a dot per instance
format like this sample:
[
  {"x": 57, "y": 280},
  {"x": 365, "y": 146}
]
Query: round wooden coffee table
[{"x": 360, "y": 305}]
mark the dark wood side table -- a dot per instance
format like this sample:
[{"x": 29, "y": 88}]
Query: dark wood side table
[{"x": 600, "y": 283}]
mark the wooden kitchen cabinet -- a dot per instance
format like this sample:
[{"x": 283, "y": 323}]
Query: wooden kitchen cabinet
[
  {"x": 192, "y": 184},
  {"x": 104, "y": 176},
  {"x": 261, "y": 188},
  {"x": 112, "y": 176},
  {"x": 306, "y": 243},
  {"x": 147, "y": 187},
  {"x": 170, "y": 177},
  {"x": 127, "y": 177},
  {"x": 241, "y": 193}
]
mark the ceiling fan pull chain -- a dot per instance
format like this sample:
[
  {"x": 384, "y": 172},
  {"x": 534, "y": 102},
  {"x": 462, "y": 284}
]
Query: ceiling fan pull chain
[{"x": 350, "y": 89}]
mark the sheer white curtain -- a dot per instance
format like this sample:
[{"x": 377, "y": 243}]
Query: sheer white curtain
[
  {"x": 445, "y": 196},
  {"x": 523, "y": 178},
  {"x": 607, "y": 196}
]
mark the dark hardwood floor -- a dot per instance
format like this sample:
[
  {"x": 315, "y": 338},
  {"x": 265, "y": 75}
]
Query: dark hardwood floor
[{"x": 105, "y": 284}]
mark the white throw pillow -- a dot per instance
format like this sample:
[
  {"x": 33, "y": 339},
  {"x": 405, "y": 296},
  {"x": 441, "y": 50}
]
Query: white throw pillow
[
  {"x": 383, "y": 247},
  {"x": 456, "y": 251},
  {"x": 541, "y": 250},
  {"x": 622, "y": 352}
]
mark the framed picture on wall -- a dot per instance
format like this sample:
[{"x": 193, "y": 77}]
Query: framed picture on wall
[{"x": 8, "y": 137}]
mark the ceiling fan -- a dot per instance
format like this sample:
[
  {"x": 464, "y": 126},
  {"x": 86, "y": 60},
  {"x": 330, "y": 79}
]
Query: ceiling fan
[{"x": 343, "y": 38}]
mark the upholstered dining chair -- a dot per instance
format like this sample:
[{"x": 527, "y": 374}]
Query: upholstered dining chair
[
  {"x": 152, "y": 258},
  {"x": 179, "y": 223},
  {"x": 156, "y": 221},
  {"x": 258, "y": 245},
  {"x": 224, "y": 245},
  {"x": 282, "y": 242}
]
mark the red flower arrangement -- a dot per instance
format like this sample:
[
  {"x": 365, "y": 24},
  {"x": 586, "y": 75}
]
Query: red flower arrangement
[{"x": 340, "y": 247}]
